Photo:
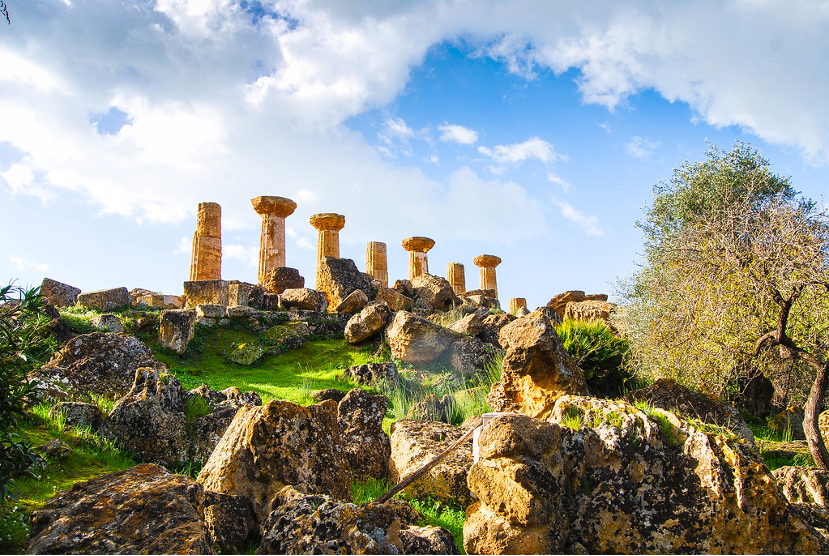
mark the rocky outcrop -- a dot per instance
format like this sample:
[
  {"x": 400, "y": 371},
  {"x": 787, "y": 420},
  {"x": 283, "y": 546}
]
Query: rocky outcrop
[
  {"x": 589, "y": 310},
  {"x": 303, "y": 298},
  {"x": 340, "y": 278},
  {"x": 434, "y": 292},
  {"x": 604, "y": 477},
  {"x": 491, "y": 326},
  {"x": 353, "y": 303},
  {"x": 537, "y": 369},
  {"x": 230, "y": 521},
  {"x": 107, "y": 322},
  {"x": 143, "y": 510},
  {"x": 360, "y": 417},
  {"x": 314, "y": 524},
  {"x": 97, "y": 363},
  {"x": 416, "y": 340},
  {"x": 278, "y": 444},
  {"x": 106, "y": 300},
  {"x": 368, "y": 323},
  {"x": 470, "y": 324},
  {"x": 177, "y": 327},
  {"x": 380, "y": 375},
  {"x": 414, "y": 443},
  {"x": 803, "y": 485},
  {"x": 58, "y": 293}
]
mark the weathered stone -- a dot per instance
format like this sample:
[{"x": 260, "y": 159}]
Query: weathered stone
[
  {"x": 143, "y": 510},
  {"x": 456, "y": 277},
  {"x": 78, "y": 414},
  {"x": 176, "y": 328},
  {"x": 206, "y": 292},
  {"x": 376, "y": 262},
  {"x": 173, "y": 301},
  {"x": 418, "y": 260},
  {"x": 670, "y": 395},
  {"x": 803, "y": 485},
  {"x": 394, "y": 299},
  {"x": 373, "y": 374},
  {"x": 368, "y": 323},
  {"x": 491, "y": 327},
  {"x": 516, "y": 303},
  {"x": 284, "y": 278},
  {"x": 360, "y": 417},
  {"x": 273, "y": 211},
  {"x": 487, "y": 264},
  {"x": 469, "y": 325},
  {"x": 314, "y": 524},
  {"x": 105, "y": 300},
  {"x": 244, "y": 294},
  {"x": 108, "y": 323},
  {"x": 473, "y": 301},
  {"x": 601, "y": 477},
  {"x": 230, "y": 521},
  {"x": 303, "y": 298},
  {"x": 403, "y": 287},
  {"x": 416, "y": 340},
  {"x": 211, "y": 311},
  {"x": 338, "y": 278},
  {"x": 280, "y": 443},
  {"x": 206, "y": 257},
  {"x": 414, "y": 443},
  {"x": 55, "y": 449},
  {"x": 353, "y": 303},
  {"x": 522, "y": 312},
  {"x": 559, "y": 302},
  {"x": 589, "y": 310},
  {"x": 328, "y": 224},
  {"x": 287, "y": 336},
  {"x": 100, "y": 363},
  {"x": 470, "y": 356},
  {"x": 537, "y": 370},
  {"x": 328, "y": 394},
  {"x": 434, "y": 291},
  {"x": 147, "y": 300},
  {"x": 551, "y": 314},
  {"x": 243, "y": 312},
  {"x": 58, "y": 293},
  {"x": 246, "y": 353}
]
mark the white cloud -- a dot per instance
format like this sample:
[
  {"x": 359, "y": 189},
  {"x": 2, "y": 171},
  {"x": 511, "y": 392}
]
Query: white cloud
[
  {"x": 534, "y": 147},
  {"x": 25, "y": 264},
  {"x": 398, "y": 127},
  {"x": 641, "y": 147},
  {"x": 248, "y": 254},
  {"x": 587, "y": 223},
  {"x": 458, "y": 134},
  {"x": 185, "y": 246},
  {"x": 558, "y": 181}
]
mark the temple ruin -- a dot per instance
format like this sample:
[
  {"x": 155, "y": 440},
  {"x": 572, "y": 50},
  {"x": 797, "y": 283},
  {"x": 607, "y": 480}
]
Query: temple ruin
[
  {"x": 329, "y": 225},
  {"x": 376, "y": 262},
  {"x": 516, "y": 303},
  {"x": 487, "y": 263},
  {"x": 206, "y": 257},
  {"x": 418, "y": 261},
  {"x": 455, "y": 276},
  {"x": 273, "y": 211}
]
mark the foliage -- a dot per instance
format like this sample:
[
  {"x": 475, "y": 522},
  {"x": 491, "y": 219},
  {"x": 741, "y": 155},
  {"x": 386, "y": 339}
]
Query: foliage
[
  {"x": 196, "y": 407},
  {"x": 572, "y": 418},
  {"x": 598, "y": 352}
]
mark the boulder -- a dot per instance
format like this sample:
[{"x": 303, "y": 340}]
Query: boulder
[
  {"x": 491, "y": 327},
  {"x": 58, "y": 293},
  {"x": 470, "y": 356},
  {"x": 394, "y": 299},
  {"x": 328, "y": 394},
  {"x": 373, "y": 374},
  {"x": 303, "y": 298},
  {"x": 100, "y": 363},
  {"x": 368, "y": 323},
  {"x": 106, "y": 300},
  {"x": 435, "y": 292},
  {"x": 803, "y": 485},
  {"x": 108, "y": 323},
  {"x": 602, "y": 477},
  {"x": 475, "y": 299},
  {"x": 55, "y": 449},
  {"x": 78, "y": 414},
  {"x": 670, "y": 395},
  {"x": 143, "y": 510},
  {"x": 537, "y": 370},
  {"x": 278, "y": 444},
  {"x": 176, "y": 328},
  {"x": 244, "y": 313},
  {"x": 246, "y": 353},
  {"x": 414, "y": 443},
  {"x": 360, "y": 417},
  {"x": 353, "y": 303},
  {"x": 404, "y": 287},
  {"x": 338, "y": 278},
  {"x": 245, "y": 294},
  {"x": 416, "y": 340},
  {"x": 230, "y": 521},
  {"x": 315, "y": 524},
  {"x": 522, "y": 312},
  {"x": 470, "y": 324},
  {"x": 559, "y": 302},
  {"x": 550, "y": 313},
  {"x": 283, "y": 278},
  {"x": 206, "y": 292},
  {"x": 589, "y": 310}
]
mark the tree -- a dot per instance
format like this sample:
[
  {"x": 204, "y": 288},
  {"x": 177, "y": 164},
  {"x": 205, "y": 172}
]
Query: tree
[{"x": 736, "y": 281}]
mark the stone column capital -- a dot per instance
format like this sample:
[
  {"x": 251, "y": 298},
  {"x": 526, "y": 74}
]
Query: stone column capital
[
  {"x": 418, "y": 244},
  {"x": 487, "y": 261},
  {"x": 267, "y": 205},
  {"x": 328, "y": 221}
]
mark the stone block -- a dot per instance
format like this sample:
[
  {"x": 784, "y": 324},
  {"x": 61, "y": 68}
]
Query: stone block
[
  {"x": 58, "y": 293},
  {"x": 176, "y": 329},
  {"x": 211, "y": 311},
  {"x": 242, "y": 293},
  {"x": 109, "y": 322},
  {"x": 283, "y": 278},
  {"x": 206, "y": 292},
  {"x": 149, "y": 300},
  {"x": 106, "y": 300},
  {"x": 173, "y": 301}
]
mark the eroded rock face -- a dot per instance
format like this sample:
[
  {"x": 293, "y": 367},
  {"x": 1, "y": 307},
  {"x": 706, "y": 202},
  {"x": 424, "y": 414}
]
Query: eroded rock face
[
  {"x": 623, "y": 483},
  {"x": 470, "y": 356},
  {"x": 360, "y": 417},
  {"x": 143, "y": 510},
  {"x": 803, "y": 485},
  {"x": 470, "y": 324},
  {"x": 414, "y": 443},
  {"x": 278, "y": 444},
  {"x": 78, "y": 414},
  {"x": 368, "y": 323},
  {"x": 340, "y": 278},
  {"x": 58, "y": 293},
  {"x": 537, "y": 369},
  {"x": 589, "y": 310},
  {"x": 416, "y": 340},
  {"x": 559, "y": 302},
  {"x": 435, "y": 292},
  {"x": 314, "y": 524},
  {"x": 177, "y": 327},
  {"x": 106, "y": 300},
  {"x": 97, "y": 363},
  {"x": 303, "y": 298}
]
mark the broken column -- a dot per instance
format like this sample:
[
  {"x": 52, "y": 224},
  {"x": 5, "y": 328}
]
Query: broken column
[
  {"x": 376, "y": 262},
  {"x": 417, "y": 248},
  {"x": 329, "y": 225},
  {"x": 516, "y": 303},
  {"x": 206, "y": 259},
  {"x": 273, "y": 210},
  {"x": 455, "y": 276},
  {"x": 488, "y": 264}
]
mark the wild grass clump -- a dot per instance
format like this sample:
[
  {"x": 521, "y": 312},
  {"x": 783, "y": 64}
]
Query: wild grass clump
[{"x": 598, "y": 352}]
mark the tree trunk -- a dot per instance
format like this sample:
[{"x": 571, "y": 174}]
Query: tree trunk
[{"x": 810, "y": 419}]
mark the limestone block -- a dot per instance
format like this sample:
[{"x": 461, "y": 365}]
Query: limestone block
[
  {"x": 173, "y": 301},
  {"x": 206, "y": 292},
  {"x": 395, "y": 300},
  {"x": 176, "y": 328},
  {"x": 242, "y": 293},
  {"x": 149, "y": 300},
  {"x": 211, "y": 311},
  {"x": 433, "y": 291},
  {"x": 368, "y": 323},
  {"x": 284, "y": 278},
  {"x": 338, "y": 278},
  {"x": 58, "y": 293},
  {"x": 302, "y": 298},
  {"x": 106, "y": 300},
  {"x": 589, "y": 310},
  {"x": 353, "y": 303},
  {"x": 516, "y": 303},
  {"x": 109, "y": 322},
  {"x": 360, "y": 417},
  {"x": 416, "y": 340}
]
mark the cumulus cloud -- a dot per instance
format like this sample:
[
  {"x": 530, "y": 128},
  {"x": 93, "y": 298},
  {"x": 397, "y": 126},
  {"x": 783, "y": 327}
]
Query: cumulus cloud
[
  {"x": 641, "y": 147},
  {"x": 458, "y": 134},
  {"x": 247, "y": 254},
  {"x": 534, "y": 147},
  {"x": 587, "y": 223},
  {"x": 25, "y": 264}
]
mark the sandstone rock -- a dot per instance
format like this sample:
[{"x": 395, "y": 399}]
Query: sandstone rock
[
  {"x": 623, "y": 483},
  {"x": 309, "y": 524},
  {"x": 173, "y": 301},
  {"x": 404, "y": 287},
  {"x": 284, "y": 278},
  {"x": 522, "y": 312},
  {"x": 58, "y": 293},
  {"x": 803, "y": 485},
  {"x": 414, "y": 443},
  {"x": 368, "y": 323},
  {"x": 303, "y": 298},
  {"x": 537, "y": 369},
  {"x": 230, "y": 521},
  {"x": 472, "y": 300},
  {"x": 244, "y": 313},
  {"x": 150, "y": 299},
  {"x": 105, "y": 300},
  {"x": 280, "y": 443},
  {"x": 340, "y": 278},
  {"x": 55, "y": 449},
  {"x": 434, "y": 291},
  {"x": 469, "y": 325},
  {"x": 416, "y": 340},
  {"x": 138, "y": 293},
  {"x": 206, "y": 292},
  {"x": 559, "y": 302},
  {"x": 491, "y": 327},
  {"x": 245, "y": 294},
  {"x": 211, "y": 311},
  {"x": 108, "y": 323},
  {"x": 667, "y": 394},
  {"x": 373, "y": 374},
  {"x": 97, "y": 363},
  {"x": 176, "y": 328},
  {"x": 360, "y": 417},
  {"x": 287, "y": 336},
  {"x": 470, "y": 356},
  {"x": 394, "y": 299},
  {"x": 589, "y": 310},
  {"x": 78, "y": 414},
  {"x": 551, "y": 314},
  {"x": 353, "y": 303},
  {"x": 143, "y": 510}
]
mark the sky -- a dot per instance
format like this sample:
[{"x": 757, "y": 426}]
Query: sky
[{"x": 531, "y": 130}]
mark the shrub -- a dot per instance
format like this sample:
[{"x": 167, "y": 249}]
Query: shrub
[{"x": 598, "y": 352}]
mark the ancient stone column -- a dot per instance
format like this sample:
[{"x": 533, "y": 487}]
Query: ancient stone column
[
  {"x": 206, "y": 258},
  {"x": 328, "y": 242},
  {"x": 488, "y": 264},
  {"x": 273, "y": 211},
  {"x": 376, "y": 262},
  {"x": 418, "y": 262},
  {"x": 516, "y": 303},
  {"x": 455, "y": 276}
]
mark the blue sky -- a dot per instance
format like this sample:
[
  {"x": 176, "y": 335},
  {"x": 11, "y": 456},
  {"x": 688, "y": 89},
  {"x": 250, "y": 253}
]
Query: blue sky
[{"x": 529, "y": 130}]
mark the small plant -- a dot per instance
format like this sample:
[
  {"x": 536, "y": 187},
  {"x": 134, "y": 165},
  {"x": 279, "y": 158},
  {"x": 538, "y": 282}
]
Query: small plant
[
  {"x": 670, "y": 434},
  {"x": 598, "y": 352},
  {"x": 572, "y": 418},
  {"x": 196, "y": 407}
]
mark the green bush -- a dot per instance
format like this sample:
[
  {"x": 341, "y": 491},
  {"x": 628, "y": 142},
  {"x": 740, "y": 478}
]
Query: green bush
[{"x": 598, "y": 352}]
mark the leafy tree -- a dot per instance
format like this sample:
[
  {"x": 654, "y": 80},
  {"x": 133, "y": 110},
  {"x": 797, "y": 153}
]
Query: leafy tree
[
  {"x": 24, "y": 342},
  {"x": 736, "y": 281}
]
